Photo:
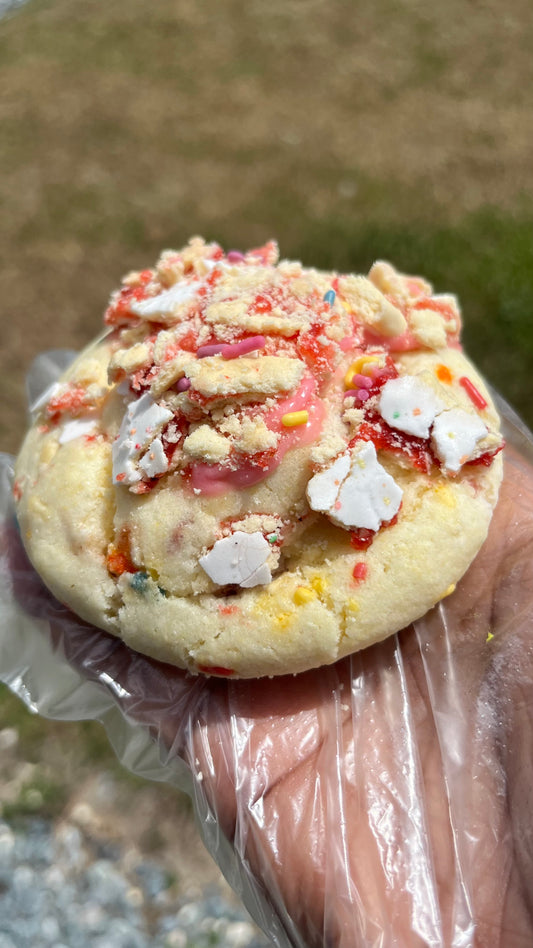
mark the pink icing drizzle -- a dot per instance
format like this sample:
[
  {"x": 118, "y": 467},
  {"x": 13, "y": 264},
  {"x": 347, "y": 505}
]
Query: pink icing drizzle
[{"x": 213, "y": 479}]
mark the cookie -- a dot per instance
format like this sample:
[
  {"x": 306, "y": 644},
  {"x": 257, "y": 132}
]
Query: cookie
[{"x": 260, "y": 468}]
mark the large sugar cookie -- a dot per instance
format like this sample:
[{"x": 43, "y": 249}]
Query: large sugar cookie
[{"x": 261, "y": 468}]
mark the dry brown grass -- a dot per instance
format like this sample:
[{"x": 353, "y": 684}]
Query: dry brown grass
[{"x": 126, "y": 127}]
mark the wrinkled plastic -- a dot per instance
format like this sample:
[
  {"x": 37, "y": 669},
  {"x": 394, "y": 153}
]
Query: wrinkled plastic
[{"x": 384, "y": 800}]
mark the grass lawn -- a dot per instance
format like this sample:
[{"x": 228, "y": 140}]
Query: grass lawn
[{"x": 349, "y": 132}]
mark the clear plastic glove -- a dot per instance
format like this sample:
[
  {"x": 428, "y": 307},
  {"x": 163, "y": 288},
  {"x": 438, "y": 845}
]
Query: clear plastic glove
[{"x": 382, "y": 801}]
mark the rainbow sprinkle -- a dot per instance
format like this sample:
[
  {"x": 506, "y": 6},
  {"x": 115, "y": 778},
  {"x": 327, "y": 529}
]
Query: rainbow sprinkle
[
  {"x": 293, "y": 418},
  {"x": 474, "y": 395},
  {"x": 236, "y": 349}
]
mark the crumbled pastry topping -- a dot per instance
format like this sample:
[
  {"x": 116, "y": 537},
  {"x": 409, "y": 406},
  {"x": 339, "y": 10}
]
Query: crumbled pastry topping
[
  {"x": 228, "y": 360},
  {"x": 269, "y": 375},
  {"x": 126, "y": 361},
  {"x": 372, "y": 306},
  {"x": 205, "y": 443}
]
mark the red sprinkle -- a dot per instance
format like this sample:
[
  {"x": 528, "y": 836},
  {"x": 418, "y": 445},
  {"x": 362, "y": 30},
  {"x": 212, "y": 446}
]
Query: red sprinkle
[
  {"x": 360, "y": 571},
  {"x": 215, "y": 670},
  {"x": 475, "y": 396}
]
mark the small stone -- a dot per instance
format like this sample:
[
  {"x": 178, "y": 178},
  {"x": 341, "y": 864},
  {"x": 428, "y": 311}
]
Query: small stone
[
  {"x": 8, "y": 738},
  {"x": 239, "y": 934},
  {"x": 176, "y": 939}
]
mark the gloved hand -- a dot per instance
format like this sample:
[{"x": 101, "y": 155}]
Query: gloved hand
[{"x": 383, "y": 801}]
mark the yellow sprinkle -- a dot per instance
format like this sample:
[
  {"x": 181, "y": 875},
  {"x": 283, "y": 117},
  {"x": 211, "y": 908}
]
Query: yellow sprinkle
[
  {"x": 303, "y": 594},
  {"x": 293, "y": 418},
  {"x": 319, "y": 584},
  {"x": 353, "y": 605},
  {"x": 449, "y": 591},
  {"x": 283, "y": 619},
  {"x": 358, "y": 368},
  {"x": 489, "y": 637},
  {"x": 444, "y": 493}
]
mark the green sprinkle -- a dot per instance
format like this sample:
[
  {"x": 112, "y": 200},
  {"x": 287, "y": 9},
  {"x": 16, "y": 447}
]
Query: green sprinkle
[
  {"x": 272, "y": 538},
  {"x": 139, "y": 582},
  {"x": 396, "y": 414}
]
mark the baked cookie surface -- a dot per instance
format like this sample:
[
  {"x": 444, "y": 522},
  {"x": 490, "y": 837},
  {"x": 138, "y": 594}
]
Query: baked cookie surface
[{"x": 261, "y": 468}]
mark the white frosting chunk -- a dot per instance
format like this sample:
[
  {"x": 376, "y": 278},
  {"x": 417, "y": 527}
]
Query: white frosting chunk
[
  {"x": 408, "y": 404},
  {"x": 143, "y": 419},
  {"x": 77, "y": 428},
  {"x": 154, "y": 462},
  {"x": 239, "y": 559},
  {"x": 323, "y": 488},
  {"x": 356, "y": 491},
  {"x": 165, "y": 303},
  {"x": 454, "y": 437}
]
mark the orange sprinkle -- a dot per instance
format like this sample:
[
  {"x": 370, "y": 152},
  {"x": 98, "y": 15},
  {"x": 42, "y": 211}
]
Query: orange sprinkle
[
  {"x": 228, "y": 610},
  {"x": 443, "y": 374},
  {"x": 118, "y": 563}
]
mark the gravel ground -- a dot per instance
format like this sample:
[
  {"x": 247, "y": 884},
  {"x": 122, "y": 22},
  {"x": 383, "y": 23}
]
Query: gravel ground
[
  {"x": 93, "y": 858},
  {"x": 57, "y": 891}
]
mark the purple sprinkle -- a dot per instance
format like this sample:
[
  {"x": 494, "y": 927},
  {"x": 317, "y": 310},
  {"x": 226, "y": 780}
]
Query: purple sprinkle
[
  {"x": 183, "y": 384},
  {"x": 362, "y": 381},
  {"x": 235, "y": 256},
  {"x": 214, "y": 349}
]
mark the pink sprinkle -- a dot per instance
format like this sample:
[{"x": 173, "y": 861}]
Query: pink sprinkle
[
  {"x": 214, "y": 349},
  {"x": 360, "y": 394},
  {"x": 360, "y": 571},
  {"x": 235, "y": 256},
  {"x": 232, "y": 351},
  {"x": 362, "y": 381},
  {"x": 347, "y": 343},
  {"x": 183, "y": 384}
]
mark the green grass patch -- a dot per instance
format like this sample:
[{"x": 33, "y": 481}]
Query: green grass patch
[{"x": 486, "y": 260}]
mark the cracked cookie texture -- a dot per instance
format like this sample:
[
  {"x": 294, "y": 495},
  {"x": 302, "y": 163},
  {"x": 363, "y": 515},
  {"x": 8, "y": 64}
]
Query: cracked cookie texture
[{"x": 259, "y": 467}]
